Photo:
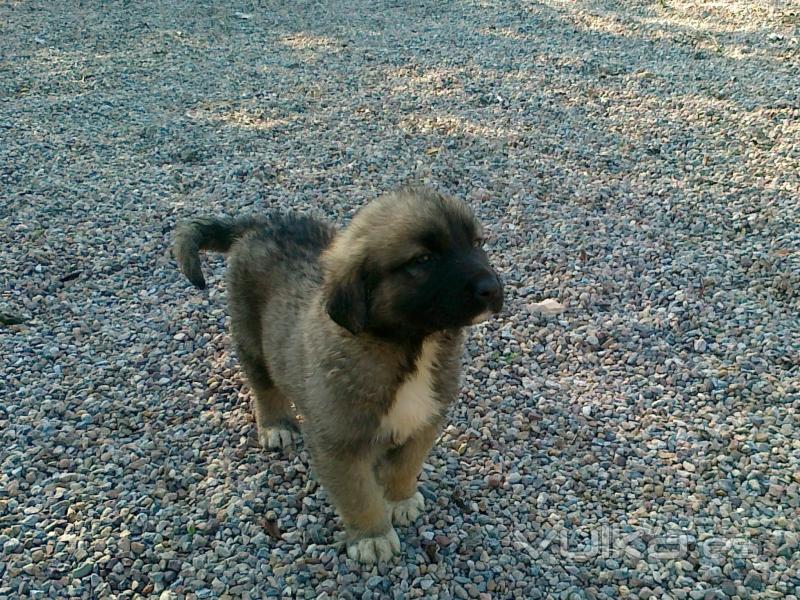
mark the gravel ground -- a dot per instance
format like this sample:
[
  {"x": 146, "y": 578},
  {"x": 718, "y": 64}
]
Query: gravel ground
[{"x": 636, "y": 161}]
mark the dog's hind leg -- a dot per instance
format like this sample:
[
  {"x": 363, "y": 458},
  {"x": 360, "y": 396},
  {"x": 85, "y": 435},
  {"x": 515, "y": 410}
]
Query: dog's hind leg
[
  {"x": 276, "y": 423},
  {"x": 275, "y": 420},
  {"x": 272, "y": 432}
]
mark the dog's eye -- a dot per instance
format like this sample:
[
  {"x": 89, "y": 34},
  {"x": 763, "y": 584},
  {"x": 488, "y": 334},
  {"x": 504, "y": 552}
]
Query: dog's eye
[{"x": 415, "y": 264}]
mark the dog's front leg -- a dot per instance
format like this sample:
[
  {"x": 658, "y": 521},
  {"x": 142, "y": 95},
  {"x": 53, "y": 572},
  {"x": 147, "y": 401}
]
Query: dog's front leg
[
  {"x": 398, "y": 472},
  {"x": 350, "y": 480}
]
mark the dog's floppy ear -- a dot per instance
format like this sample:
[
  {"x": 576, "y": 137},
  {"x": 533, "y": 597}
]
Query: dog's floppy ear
[
  {"x": 346, "y": 304},
  {"x": 346, "y": 300}
]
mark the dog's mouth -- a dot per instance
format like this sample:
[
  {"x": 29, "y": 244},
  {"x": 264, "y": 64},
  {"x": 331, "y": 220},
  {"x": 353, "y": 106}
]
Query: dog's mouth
[{"x": 484, "y": 316}]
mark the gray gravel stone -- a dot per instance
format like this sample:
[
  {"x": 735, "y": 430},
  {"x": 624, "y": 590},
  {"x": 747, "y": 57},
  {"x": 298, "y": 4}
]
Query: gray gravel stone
[
  {"x": 83, "y": 570},
  {"x": 637, "y": 168}
]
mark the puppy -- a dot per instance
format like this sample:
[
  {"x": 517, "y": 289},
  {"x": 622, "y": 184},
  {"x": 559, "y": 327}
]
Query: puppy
[{"x": 362, "y": 330}]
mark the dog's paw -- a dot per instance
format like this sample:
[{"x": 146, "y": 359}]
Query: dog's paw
[
  {"x": 405, "y": 512},
  {"x": 271, "y": 438},
  {"x": 375, "y": 549}
]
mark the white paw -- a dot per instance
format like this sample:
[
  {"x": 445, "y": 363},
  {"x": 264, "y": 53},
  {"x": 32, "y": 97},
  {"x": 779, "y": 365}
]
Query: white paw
[
  {"x": 406, "y": 511},
  {"x": 276, "y": 437},
  {"x": 375, "y": 549}
]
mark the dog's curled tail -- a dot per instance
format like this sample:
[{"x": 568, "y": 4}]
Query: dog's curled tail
[{"x": 215, "y": 234}]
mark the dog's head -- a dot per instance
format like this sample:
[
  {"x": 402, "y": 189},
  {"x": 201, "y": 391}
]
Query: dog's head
[{"x": 409, "y": 264}]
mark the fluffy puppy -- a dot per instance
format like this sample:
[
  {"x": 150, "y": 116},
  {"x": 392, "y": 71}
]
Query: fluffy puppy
[{"x": 362, "y": 331}]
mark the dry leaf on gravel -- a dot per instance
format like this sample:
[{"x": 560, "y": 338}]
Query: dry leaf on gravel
[{"x": 550, "y": 306}]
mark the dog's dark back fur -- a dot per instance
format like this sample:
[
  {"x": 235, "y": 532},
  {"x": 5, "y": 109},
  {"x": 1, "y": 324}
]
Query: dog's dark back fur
[{"x": 305, "y": 234}]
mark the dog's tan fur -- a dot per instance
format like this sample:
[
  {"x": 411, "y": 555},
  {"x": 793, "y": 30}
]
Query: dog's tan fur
[{"x": 347, "y": 325}]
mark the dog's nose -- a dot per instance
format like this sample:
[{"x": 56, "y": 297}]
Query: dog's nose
[{"x": 487, "y": 289}]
